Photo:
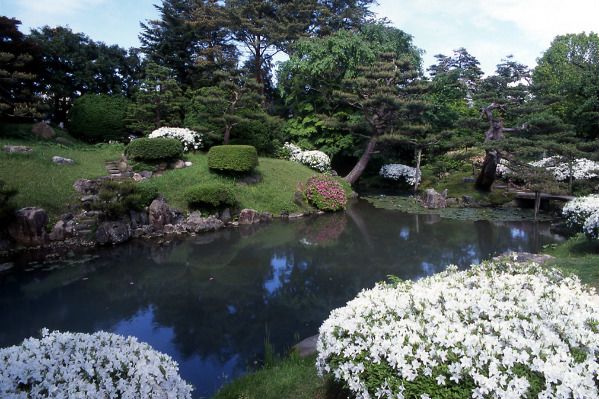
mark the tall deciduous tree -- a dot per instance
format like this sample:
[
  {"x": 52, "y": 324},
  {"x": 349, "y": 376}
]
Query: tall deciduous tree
[{"x": 568, "y": 73}]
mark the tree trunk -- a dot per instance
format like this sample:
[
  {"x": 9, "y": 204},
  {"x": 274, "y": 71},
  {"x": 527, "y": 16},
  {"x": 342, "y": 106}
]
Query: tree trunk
[
  {"x": 537, "y": 203},
  {"x": 488, "y": 172},
  {"x": 358, "y": 169},
  {"x": 418, "y": 159},
  {"x": 227, "y": 135}
]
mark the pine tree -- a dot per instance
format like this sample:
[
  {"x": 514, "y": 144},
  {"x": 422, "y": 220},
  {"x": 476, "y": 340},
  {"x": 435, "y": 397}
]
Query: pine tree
[
  {"x": 17, "y": 72},
  {"x": 216, "y": 110},
  {"x": 158, "y": 101},
  {"x": 379, "y": 92}
]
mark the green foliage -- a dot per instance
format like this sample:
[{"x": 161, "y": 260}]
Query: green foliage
[
  {"x": 291, "y": 378},
  {"x": 117, "y": 198},
  {"x": 579, "y": 256},
  {"x": 326, "y": 193},
  {"x": 152, "y": 150},
  {"x": 98, "y": 117},
  {"x": 158, "y": 101},
  {"x": 7, "y": 208},
  {"x": 233, "y": 158},
  {"x": 210, "y": 196},
  {"x": 443, "y": 165}
]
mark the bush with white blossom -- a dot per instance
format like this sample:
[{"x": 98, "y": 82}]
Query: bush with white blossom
[
  {"x": 497, "y": 330},
  {"x": 396, "y": 171},
  {"x": 579, "y": 169},
  {"x": 77, "y": 365},
  {"x": 313, "y": 159},
  {"x": 580, "y": 209},
  {"x": 191, "y": 140},
  {"x": 591, "y": 226}
]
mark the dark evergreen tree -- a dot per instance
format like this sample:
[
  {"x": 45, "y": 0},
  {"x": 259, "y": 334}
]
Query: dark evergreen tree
[
  {"x": 379, "y": 92},
  {"x": 17, "y": 72},
  {"x": 158, "y": 101},
  {"x": 217, "y": 110}
]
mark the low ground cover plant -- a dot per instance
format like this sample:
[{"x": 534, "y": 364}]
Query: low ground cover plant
[
  {"x": 497, "y": 330},
  {"x": 99, "y": 365},
  {"x": 325, "y": 193},
  {"x": 154, "y": 150},
  {"x": 233, "y": 158},
  {"x": 211, "y": 196}
]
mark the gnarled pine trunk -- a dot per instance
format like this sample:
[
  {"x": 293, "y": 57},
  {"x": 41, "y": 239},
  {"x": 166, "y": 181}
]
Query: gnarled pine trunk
[
  {"x": 358, "y": 169},
  {"x": 488, "y": 172}
]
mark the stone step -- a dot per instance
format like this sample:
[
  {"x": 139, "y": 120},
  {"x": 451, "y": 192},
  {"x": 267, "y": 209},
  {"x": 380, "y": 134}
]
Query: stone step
[{"x": 85, "y": 232}]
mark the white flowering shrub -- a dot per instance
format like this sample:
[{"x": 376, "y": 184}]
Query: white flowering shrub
[
  {"x": 396, "y": 171},
  {"x": 591, "y": 226},
  {"x": 579, "y": 209},
  {"x": 313, "y": 159},
  {"x": 191, "y": 140},
  {"x": 503, "y": 168},
  {"x": 580, "y": 169},
  {"x": 498, "y": 330},
  {"x": 99, "y": 365}
]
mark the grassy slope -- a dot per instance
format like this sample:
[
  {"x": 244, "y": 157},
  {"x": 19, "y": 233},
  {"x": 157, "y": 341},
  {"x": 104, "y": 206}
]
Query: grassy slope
[
  {"x": 45, "y": 184},
  {"x": 274, "y": 193},
  {"x": 42, "y": 183},
  {"x": 292, "y": 378},
  {"x": 578, "y": 255}
]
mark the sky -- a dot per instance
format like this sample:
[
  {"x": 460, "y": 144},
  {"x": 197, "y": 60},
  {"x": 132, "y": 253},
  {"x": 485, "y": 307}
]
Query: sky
[{"x": 489, "y": 29}]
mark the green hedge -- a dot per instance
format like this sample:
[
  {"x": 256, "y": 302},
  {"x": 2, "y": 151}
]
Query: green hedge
[
  {"x": 210, "y": 195},
  {"x": 157, "y": 149},
  {"x": 98, "y": 117},
  {"x": 233, "y": 158}
]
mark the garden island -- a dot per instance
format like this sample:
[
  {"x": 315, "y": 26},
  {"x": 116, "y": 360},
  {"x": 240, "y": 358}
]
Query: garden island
[{"x": 281, "y": 199}]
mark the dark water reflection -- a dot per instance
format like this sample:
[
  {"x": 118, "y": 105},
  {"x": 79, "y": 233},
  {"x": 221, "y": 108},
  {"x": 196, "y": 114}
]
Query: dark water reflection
[{"x": 210, "y": 301}]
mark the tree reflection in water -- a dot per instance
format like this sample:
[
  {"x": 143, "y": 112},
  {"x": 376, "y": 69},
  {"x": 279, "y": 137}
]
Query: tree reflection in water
[{"x": 209, "y": 300}]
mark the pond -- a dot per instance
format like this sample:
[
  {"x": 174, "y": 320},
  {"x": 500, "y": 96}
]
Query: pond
[{"x": 213, "y": 301}]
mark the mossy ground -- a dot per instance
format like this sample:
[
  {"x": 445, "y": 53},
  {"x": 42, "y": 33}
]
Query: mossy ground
[{"x": 579, "y": 256}]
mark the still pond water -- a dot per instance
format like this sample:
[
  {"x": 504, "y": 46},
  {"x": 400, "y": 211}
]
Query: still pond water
[{"x": 213, "y": 300}]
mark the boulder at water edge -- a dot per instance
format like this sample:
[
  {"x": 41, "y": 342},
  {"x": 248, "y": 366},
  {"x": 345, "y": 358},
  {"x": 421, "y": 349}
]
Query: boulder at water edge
[
  {"x": 249, "y": 216},
  {"x": 29, "y": 227},
  {"x": 113, "y": 233},
  {"x": 433, "y": 200},
  {"x": 159, "y": 214}
]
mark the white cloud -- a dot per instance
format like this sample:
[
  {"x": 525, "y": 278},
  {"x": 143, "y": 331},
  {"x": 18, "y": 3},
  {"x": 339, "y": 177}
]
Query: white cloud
[
  {"x": 57, "y": 7},
  {"x": 490, "y": 29}
]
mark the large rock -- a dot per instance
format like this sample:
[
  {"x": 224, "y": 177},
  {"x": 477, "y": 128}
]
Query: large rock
[
  {"x": 138, "y": 218},
  {"x": 17, "y": 149},
  {"x": 29, "y": 227},
  {"x": 249, "y": 216},
  {"x": 43, "y": 131},
  {"x": 159, "y": 214},
  {"x": 195, "y": 223},
  {"x": 86, "y": 186},
  {"x": 62, "y": 161},
  {"x": 434, "y": 200},
  {"x": 112, "y": 232}
]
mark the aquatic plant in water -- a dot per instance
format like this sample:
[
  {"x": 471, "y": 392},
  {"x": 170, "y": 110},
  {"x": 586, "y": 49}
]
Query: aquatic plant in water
[
  {"x": 99, "y": 365},
  {"x": 498, "y": 330}
]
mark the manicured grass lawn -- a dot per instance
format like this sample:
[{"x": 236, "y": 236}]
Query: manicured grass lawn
[
  {"x": 274, "y": 193},
  {"x": 578, "y": 255},
  {"x": 292, "y": 378},
  {"x": 42, "y": 183}
]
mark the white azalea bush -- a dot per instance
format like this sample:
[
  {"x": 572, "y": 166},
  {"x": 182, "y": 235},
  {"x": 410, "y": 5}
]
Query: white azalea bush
[
  {"x": 397, "y": 171},
  {"x": 313, "y": 159},
  {"x": 580, "y": 209},
  {"x": 190, "y": 139},
  {"x": 580, "y": 169},
  {"x": 77, "y": 365},
  {"x": 497, "y": 330},
  {"x": 591, "y": 226}
]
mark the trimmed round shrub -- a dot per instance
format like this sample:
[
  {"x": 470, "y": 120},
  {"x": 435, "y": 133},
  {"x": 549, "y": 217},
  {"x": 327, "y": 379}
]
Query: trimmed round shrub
[
  {"x": 99, "y": 365},
  {"x": 154, "y": 150},
  {"x": 210, "y": 195},
  {"x": 325, "y": 193},
  {"x": 233, "y": 158},
  {"x": 98, "y": 117},
  {"x": 497, "y": 330}
]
